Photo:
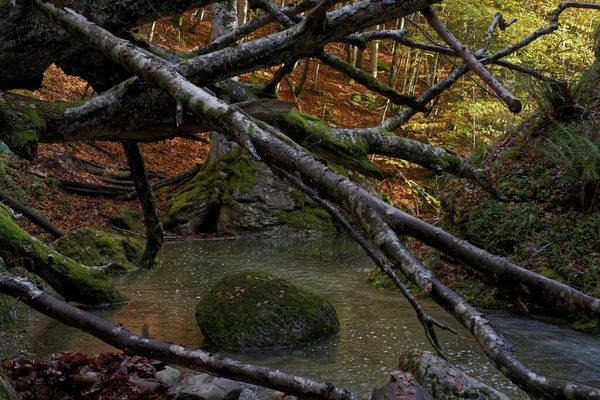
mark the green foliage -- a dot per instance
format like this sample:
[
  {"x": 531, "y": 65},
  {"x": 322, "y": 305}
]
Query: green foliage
[
  {"x": 575, "y": 148},
  {"x": 498, "y": 227}
]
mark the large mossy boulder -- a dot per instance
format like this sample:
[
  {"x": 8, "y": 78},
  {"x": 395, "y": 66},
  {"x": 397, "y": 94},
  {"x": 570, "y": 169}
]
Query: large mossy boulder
[
  {"x": 251, "y": 309},
  {"x": 97, "y": 248},
  {"x": 238, "y": 196}
]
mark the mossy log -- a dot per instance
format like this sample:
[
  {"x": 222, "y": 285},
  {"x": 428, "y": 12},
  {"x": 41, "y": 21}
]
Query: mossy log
[
  {"x": 444, "y": 381},
  {"x": 73, "y": 281}
]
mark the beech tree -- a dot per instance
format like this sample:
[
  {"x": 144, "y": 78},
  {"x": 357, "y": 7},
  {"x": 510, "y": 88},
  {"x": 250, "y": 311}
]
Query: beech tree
[{"x": 150, "y": 93}]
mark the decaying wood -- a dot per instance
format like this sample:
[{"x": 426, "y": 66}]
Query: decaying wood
[
  {"x": 174, "y": 180},
  {"x": 91, "y": 189},
  {"x": 119, "y": 337},
  {"x": 31, "y": 215}
]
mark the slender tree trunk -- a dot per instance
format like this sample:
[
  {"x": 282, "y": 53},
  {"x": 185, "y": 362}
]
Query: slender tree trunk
[
  {"x": 154, "y": 230},
  {"x": 374, "y": 55}
]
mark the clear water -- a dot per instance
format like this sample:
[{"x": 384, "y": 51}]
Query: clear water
[{"x": 376, "y": 326}]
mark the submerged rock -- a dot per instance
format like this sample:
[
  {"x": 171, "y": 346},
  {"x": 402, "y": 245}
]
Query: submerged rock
[
  {"x": 92, "y": 247},
  {"x": 251, "y": 309}
]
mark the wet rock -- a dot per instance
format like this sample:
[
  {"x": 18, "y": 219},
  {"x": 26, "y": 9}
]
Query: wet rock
[
  {"x": 205, "y": 387},
  {"x": 255, "y": 392},
  {"x": 252, "y": 309},
  {"x": 403, "y": 386},
  {"x": 444, "y": 381},
  {"x": 169, "y": 375}
]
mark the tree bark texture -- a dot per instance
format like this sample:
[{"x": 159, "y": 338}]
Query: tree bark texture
[
  {"x": 154, "y": 229},
  {"x": 25, "y": 31}
]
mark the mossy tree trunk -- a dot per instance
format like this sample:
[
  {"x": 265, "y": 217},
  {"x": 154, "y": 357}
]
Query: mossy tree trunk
[
  {"x": 73, "y": 281},
  {"x": 154, "y": 229}
]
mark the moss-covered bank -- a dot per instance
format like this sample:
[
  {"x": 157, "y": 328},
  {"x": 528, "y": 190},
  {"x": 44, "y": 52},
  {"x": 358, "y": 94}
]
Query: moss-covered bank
[
  {"x": 70, "y": 279},
  {"x": 92, "y": 247},
  {"x": 252, "y": 309}
]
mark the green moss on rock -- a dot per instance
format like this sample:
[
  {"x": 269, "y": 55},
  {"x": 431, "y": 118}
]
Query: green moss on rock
[
  {"x": 214, "y": 185},
  {"x": 95, "y": 248},
  {"x": 252, "y": 309},
  {"x": 127, "y": 219},
  {"x": 70, "y": 279}
]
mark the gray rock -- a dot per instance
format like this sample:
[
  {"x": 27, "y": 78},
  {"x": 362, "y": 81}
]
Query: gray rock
[
  {"x": 169, "y": 376},
  {"x": 403, "y": 386},
  {"x": 205, "y": 387},
  {"x": 255, "y": 392}
]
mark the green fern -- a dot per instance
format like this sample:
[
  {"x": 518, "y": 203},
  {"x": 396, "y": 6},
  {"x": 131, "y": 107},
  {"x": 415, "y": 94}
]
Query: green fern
[{"x": 574, "y": 148}]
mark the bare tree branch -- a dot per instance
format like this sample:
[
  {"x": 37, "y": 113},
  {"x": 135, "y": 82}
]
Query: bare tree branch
[
  {"x": 426, "y": 320},
  {"x": 119, "y": 337},
  {"x": 514, "y": 105}
]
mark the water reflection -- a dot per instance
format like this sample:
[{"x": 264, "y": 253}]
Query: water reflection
[{"x": 376, "y": 326}]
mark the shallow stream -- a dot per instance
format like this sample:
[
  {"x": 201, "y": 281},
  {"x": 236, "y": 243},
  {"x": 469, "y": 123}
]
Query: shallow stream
[{"x": 376, "y": 325}]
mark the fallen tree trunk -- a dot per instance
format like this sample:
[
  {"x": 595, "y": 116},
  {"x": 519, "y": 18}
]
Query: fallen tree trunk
[
  {"x": 31, "y": 215},
  {"x": 73, "y": 281},
  {"x": 93, "y": 190},
  {"x": 154, "y": 229},
  {"x": 447, "y": 382},
  {"x": 119, "y": 337},
  {"x": 274, "y": 146},
  {"x": 24, "y": 31}
]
